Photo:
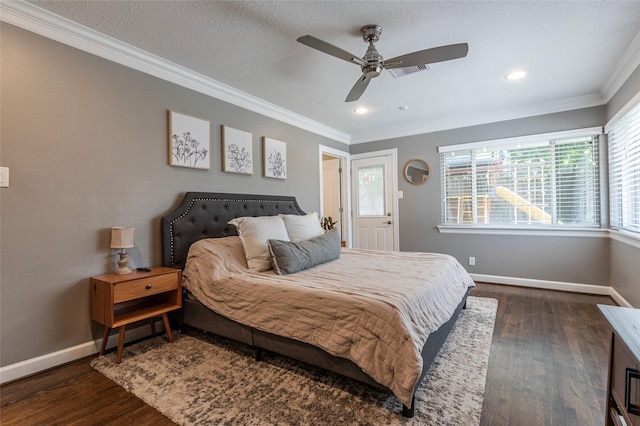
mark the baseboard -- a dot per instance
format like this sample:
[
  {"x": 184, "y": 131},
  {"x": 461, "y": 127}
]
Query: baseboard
[
  {"x": 553, "y": 285},
  {"x": 619, "y": 299},
  {"x": 35, "y": 365}
]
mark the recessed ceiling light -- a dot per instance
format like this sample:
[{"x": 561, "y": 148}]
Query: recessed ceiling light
[
  {"x": 403, "y": 107},
  {"x": 361, "y": 110},
  {"x": 515, "y": 75}
]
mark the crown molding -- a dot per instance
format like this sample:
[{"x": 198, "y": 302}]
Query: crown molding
[
  {"x": 42, "y": 22},
  {"x": 448, "y": 123},
  {"x": 627, "y": 64}
]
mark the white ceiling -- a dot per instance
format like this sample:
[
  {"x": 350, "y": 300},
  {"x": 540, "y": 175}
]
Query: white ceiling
[{"x": 576, "y": 54}]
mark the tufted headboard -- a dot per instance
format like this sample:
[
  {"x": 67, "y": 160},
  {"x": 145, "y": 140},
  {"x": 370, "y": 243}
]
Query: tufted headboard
[{"x": 206, "y": 215}]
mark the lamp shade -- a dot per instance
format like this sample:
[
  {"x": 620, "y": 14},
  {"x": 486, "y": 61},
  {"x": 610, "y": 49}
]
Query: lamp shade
[{"x": 122, "y": 237}]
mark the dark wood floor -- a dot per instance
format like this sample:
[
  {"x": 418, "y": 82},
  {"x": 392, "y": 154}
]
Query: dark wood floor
[
  {"x": 548, "y": 366},
  {"x": 549, "y": 358}
]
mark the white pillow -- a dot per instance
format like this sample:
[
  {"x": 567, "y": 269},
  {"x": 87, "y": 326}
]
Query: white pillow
[
  {"x": 302, "y": 227},
  {"x": 254, "y": 233}
]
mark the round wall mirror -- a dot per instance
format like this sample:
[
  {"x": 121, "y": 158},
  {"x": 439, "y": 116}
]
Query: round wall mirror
[{"x": 416, "y": 171}]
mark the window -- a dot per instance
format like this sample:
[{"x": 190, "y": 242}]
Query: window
[
  {"x": 545, "y": 180},
  {"x": 624, "y": 172},
  {"x": 371, "y": 191}
]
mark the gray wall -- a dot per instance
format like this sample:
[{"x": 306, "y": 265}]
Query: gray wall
[
  {"x": 625, "y": 270},
  {"x": 629, "y": 89},
  {"x": 86, "y": 143},
  {"x": 625, "y": 264},
  {"x": 583, "y": 260}
]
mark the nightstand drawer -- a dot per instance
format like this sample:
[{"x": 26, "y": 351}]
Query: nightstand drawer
[{"x": 143, "y": 287}]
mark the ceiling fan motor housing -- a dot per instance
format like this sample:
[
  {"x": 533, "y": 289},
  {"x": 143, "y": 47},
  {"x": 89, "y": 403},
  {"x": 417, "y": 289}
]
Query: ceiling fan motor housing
[
  {"x": 371, "y": 34},
  {"x": 374, "y": 66}
]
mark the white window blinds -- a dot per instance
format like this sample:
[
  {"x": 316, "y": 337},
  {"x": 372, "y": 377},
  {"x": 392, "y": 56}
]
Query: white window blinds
[
  {"x": 624, "y": 172},
  {"x": 544, "y": 181}
]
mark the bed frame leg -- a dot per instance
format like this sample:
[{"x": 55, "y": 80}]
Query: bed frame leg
[
  {"x": 409, "y": 412},
  {"x": 258, "y": 353}
]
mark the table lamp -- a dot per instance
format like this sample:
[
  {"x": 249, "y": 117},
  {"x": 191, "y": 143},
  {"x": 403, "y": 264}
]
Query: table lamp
[{"x": 122, "y": 238}]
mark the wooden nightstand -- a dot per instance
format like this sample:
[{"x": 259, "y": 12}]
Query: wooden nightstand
[{"x": 118, "y": 300}]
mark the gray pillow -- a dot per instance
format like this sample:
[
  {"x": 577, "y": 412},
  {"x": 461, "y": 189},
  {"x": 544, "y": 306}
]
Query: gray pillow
[{"x": 289, "y": 256}]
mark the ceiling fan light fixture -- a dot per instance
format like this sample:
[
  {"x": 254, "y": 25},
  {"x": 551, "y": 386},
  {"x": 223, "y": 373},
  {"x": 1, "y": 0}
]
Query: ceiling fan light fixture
[
  {"x": 361, "y": 110},
  {"x": 516, "y": 75},
  {"x": 372, "y": 70}
]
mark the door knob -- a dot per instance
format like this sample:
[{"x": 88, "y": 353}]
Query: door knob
[{"x": 387, "y": 222}]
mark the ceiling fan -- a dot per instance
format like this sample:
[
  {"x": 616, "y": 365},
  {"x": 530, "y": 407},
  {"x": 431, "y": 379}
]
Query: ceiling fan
[{"x": 372, "y": 62}]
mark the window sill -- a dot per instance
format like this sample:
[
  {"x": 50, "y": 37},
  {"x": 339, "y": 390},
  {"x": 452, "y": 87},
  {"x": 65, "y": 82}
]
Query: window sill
[
  {"x": 625, "y": 237},
  {"x": 527, "y": 231}
]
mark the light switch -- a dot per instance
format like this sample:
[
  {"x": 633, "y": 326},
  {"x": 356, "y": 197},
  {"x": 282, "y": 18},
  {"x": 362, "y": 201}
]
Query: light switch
[
  {"x": 400, "y": 195},
  {"x": 4, "y": 177}
]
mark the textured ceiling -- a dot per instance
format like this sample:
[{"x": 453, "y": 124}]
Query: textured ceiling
[{"x": 572, "y": 50}]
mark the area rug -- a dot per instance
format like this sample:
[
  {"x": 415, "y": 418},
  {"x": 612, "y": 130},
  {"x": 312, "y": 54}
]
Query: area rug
[{"x": 202, "y": 379}]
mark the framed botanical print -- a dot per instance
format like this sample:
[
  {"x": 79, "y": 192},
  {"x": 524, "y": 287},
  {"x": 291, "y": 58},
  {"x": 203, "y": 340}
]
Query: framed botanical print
[
  {"x": 274, "y": 158},
  {"x": 237, "y": 151},
  {"x": 189, "y": 140}
]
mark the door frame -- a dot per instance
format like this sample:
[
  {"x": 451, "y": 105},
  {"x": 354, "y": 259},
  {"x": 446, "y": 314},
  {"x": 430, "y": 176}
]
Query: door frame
[
  {"x": 345, "y": 182},
  {"x": 393, "y": 176}
]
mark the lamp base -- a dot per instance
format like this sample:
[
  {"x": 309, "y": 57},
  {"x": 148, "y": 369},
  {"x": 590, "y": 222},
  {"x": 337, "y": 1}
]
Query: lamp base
[
  {"x": 122, "y": 264},
  {"x": 122, "y": 271}
]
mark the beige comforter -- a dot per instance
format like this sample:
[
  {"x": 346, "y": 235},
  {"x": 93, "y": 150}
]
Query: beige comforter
[{"x": 374, "y": 308}]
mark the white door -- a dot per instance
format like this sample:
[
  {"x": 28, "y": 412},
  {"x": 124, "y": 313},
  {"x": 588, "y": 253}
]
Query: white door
[{"x": 374, "y": 201}]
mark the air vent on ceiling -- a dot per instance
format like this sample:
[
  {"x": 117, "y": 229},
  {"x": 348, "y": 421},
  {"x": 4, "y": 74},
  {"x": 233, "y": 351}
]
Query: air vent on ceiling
[{"x": 400, "y": 72}]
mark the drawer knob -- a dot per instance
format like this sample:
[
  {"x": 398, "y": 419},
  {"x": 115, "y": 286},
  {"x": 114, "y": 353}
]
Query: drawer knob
[{"x": 148, "y": 287}]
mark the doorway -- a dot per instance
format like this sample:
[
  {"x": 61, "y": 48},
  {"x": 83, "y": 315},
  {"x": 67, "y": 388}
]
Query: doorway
[{"x": 335, "y": 190}]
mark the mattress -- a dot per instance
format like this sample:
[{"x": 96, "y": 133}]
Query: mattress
[{"x": 375, "y": 308}]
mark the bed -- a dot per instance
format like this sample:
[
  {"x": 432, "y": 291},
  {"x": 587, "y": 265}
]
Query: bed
[{"x": 201, "y": 223}]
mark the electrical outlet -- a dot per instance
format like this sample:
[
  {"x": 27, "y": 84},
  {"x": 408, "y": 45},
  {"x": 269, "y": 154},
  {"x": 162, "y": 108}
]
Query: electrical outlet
[
  {"x": 472, "y": 261},
  {"x": 4, "y": 177}
]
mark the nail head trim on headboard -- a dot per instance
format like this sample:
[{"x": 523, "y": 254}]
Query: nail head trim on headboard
[{"x": 206, "y": 215}]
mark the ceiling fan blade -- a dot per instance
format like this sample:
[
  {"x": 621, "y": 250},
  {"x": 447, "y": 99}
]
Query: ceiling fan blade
[
  {"x": 428, "y": 56},
  {"x": 330, "y": 49},
  {"x": 358, "y": 89}
]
